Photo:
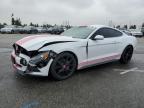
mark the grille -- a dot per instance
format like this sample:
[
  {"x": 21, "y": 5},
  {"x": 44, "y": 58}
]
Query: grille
[{"x": 18, "y": 49}]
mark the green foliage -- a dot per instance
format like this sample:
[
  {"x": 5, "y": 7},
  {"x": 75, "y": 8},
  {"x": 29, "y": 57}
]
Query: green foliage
[
  {"x": 118, "y": 26},
  {"x": 16, "y": 21},
  {"x": 143, "y": 25},
  {"x": 125, "y": 26},
  {"x": 132, "y": 27},
  {"x": 1, "y": 26}
]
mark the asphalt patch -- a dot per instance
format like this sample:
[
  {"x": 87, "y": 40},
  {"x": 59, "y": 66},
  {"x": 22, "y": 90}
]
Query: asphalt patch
[{"x": 5, "y": 50}]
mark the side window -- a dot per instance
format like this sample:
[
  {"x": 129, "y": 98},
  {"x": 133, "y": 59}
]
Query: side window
[{"x": 108, "y": 32}]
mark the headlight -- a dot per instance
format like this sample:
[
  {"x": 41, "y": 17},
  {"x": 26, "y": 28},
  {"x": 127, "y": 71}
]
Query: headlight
[
  {"x": 45, "y": 56},
  {"x": 40, "y": 60}
]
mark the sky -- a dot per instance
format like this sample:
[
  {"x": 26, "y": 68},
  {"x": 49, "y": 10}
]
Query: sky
[{"x": 76, "y": 12}]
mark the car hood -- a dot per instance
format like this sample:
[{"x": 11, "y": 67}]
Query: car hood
[{"x": 38, "y": 41}]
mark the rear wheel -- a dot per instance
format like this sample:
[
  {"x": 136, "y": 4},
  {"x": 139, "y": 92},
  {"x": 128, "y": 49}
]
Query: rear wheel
[
  {"x": 63, "y": 66},
  {"x": 126, "y": 55}
]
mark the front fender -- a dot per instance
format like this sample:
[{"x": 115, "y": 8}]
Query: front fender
[{"x": 78, "y": 48}]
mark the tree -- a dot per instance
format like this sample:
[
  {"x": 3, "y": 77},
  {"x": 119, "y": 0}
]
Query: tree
[
  {"x": 1, "y": 26},
  {"x": 31, "y": 24},
  {"x": 143, "y": 25},
  {"x": 44, "y": 26},
  {"x": 4, "y": 24},
  {"x": 132, "y": 27},
  {"x": 125, "y": 26},
  {"x": 24, "y": 25},
  {"x": 18, "y": 22},
  {"x": 13, "y": 21},
  {"x": 48, "y": 25},
  {"x": 118, "y": 26},
  {"x": 36, "y": 25}
]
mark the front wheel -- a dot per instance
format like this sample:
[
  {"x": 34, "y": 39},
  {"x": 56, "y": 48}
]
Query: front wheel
[
  {"x": 126, "y": 55},
  {"x": 63, "y": 66}
]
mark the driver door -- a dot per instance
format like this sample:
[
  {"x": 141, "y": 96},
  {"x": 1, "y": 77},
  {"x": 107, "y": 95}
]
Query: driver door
[{"x": 102, "y": 50}]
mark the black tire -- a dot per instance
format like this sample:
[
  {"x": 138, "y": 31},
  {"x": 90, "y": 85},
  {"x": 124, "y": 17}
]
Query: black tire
[
  {"x": 126, "y": 55},
  {"x": 63, "y": 66}
]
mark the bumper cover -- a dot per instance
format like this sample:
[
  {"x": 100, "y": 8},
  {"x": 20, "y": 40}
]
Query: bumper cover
[{"x": 28, "y": 70}]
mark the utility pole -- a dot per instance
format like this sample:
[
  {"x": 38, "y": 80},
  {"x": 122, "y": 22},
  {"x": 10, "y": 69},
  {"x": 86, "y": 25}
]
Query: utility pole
[{"x": 12, "y": 19}]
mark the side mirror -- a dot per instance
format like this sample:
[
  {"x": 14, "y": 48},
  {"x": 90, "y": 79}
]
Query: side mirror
[{"x": 98, "y": 37}]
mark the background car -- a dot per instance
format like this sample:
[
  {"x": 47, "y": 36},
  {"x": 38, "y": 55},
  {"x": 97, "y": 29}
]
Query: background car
[
  {"x": 57, "y": 30},
  {"x": 29, "y": 30},
  {"x": 20, "y": 29},
  {"x": 136, "y": 32},
  {"x": 49, "y": 30},
  {"x": 126, "y": 31},
  {"x": 142, "y": 30},
  {"x": 76, "y": 48},
  {"x": 41, "y": 29},
  {"x": 9, "y": 29}
]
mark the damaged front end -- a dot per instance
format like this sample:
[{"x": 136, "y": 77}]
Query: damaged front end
[{"x": 31, "y": 62}]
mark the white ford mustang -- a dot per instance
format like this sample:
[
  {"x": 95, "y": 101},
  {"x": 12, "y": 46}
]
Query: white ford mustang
[{"x": 76, "y": 48}]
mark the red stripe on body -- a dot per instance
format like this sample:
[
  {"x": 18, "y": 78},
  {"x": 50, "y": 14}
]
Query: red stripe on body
[
  {"x": 98, "y": 61},
  {"x": 22, "y": 41}
]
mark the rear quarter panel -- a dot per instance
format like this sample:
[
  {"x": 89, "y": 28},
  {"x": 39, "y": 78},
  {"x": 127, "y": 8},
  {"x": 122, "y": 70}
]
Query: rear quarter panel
[{"x": 127, "y": 40}]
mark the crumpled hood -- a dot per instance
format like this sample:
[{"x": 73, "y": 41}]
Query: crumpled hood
[{"x": 37, "y": 41}]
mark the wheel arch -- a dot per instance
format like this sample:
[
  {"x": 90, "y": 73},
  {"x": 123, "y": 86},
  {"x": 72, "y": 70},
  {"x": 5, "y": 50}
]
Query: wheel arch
[
  {"x": 53, "y": 74},
  {"x": 75, "y": 56},
  {"x": 129, "y": 45},
  {"x": 122, "y": 58}
]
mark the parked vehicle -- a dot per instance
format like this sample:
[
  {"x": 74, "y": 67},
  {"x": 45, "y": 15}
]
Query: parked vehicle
[
  {"x": 9, "y": 29},
  {"x": 57, "y": 30},
  {"x": 41, "y": 30},
  {"x": 142, "y": 30},
  {"x": 126, "y": 31},
  {"x": 20, "y": 29},
  {"x": 29, "y": 30},
  {"x": 136, "y": 32},
  {"x": 49, "y": 30},
  {"x": 75, "y": 49}
]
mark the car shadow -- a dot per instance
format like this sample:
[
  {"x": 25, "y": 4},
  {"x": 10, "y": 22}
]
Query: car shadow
[{"x": 90, "y": 71}]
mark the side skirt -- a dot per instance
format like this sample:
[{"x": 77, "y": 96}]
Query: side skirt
[
  {"x": 96, "y": 64},
  {"x": 99, "y": 61}
]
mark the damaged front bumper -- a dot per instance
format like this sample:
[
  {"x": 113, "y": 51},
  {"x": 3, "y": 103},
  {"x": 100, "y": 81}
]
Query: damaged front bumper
[{"x": 25, "y": 65}]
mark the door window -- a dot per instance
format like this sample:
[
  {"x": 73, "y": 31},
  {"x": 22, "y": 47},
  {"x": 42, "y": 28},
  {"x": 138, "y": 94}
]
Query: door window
[{"x": 108, "y": 32}]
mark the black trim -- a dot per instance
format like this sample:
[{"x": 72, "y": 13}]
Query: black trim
[
  {"x": 32, "y": 69},
  {"x": 51, "y": 43},
  {"x": 87, "y": 50},
  {"x": 97, "y": 33}
]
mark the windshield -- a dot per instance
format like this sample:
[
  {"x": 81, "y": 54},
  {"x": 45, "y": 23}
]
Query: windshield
[{"x": 79, "y": 32}]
